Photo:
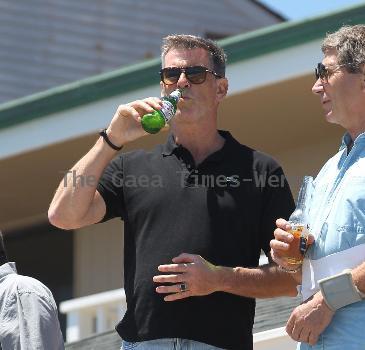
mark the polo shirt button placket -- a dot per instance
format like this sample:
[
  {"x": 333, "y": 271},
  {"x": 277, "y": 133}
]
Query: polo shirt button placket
[{"x": 190, "y": 170}]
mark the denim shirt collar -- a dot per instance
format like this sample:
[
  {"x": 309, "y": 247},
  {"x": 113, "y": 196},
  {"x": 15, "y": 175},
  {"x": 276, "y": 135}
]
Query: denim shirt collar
[
  {"x": 7, "y": 269},
  {"x": 346, "y": 140}
]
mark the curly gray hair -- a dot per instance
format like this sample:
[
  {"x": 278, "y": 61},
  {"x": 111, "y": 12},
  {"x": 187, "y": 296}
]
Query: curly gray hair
[
  {"x": 349, "y": 42},
  {"x": 183, "y": 41}
]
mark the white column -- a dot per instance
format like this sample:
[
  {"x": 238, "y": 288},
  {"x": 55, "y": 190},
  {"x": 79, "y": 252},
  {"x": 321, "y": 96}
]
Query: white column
[
  {"x": 73, "y": 326},
  {"x": 101, "y": 320}
]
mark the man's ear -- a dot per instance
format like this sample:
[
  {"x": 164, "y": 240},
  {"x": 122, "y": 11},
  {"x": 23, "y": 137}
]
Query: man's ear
[
  {"x": 363, "y": 84},
  {"x": 363, "y": 78},
  {"x": 222, "y": 89}
]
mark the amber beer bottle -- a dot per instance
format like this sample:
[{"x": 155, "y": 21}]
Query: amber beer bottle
[
  {"x": 299, "y": 224},
  {"x": 155, "y": 121}
]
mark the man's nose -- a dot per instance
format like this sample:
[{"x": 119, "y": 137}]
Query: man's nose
[
  {"x": 317, "y": 88},
  {"x": 183, "y": 81}
]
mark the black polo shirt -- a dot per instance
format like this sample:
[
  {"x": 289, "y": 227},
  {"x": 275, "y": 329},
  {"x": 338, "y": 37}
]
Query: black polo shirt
[{"x": 224, "y": 209}]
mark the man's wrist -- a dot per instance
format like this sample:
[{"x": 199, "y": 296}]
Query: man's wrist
[
  {"x": 321, "y": 302},
  {"x": 339, "y": 290},
  {"x": 111, "y": 140},
  {"x": 292, "y": 270},
  {"x": 225, "y": 276}
]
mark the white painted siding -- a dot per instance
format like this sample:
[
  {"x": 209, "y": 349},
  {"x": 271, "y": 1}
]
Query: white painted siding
[{"x": 98, "y": 258}]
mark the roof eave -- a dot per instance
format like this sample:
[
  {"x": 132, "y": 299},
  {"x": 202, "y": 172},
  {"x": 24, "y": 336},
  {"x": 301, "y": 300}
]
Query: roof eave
[{"x": 239, "y": 48}]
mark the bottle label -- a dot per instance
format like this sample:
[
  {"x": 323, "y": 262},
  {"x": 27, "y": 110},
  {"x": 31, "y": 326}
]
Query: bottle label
[
  {"x": 167, "y": 110},
  {"x": 299, "y": 230},
  {"x": 298, "y": 246},
  {"x": 175, "y": 94}
]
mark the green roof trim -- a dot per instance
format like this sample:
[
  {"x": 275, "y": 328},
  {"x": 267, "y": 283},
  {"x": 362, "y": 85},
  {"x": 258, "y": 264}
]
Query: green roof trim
[
  {"x": 284, "y": 35},
  {"x": 238, "y": 48}
]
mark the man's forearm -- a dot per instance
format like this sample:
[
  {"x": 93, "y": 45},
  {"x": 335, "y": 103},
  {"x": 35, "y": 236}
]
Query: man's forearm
[
  {"x": 77, "y": 189},
  {"x": 264, "y": 282}
]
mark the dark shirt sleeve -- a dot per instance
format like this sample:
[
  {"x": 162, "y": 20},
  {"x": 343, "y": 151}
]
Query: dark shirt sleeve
[
  {"x": 278, "y": 203},
  {"x": 110, "y": 188}
]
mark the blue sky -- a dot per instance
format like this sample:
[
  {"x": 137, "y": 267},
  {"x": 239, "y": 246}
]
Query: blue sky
[{"x": 295, "y": 10}]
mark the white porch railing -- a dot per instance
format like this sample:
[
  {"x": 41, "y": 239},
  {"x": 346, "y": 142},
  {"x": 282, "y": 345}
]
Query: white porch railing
[
  {"x": 100, "y": 312},
  {"x": 93, "y": 313},
  {"x": 273, "y": 339}
]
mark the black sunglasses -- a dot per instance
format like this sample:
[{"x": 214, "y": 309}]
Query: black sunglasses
[
  {"x": 195, "y": 74},
  {"x": 323, "y": 73}
]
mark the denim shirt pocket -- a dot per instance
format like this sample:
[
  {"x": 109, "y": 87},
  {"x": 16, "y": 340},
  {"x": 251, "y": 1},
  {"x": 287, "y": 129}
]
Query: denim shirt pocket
[
  {"x": 346, "y": 221},
  {"x": 334, "y": 238},
  {"x": 353, "y": 199}
]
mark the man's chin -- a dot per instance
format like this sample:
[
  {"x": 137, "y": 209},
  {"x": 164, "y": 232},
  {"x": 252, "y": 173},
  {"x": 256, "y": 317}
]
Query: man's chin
[
  {"x": 330, "y": 118},
  {"x": 181, "y": 119},
  {"x": 328, "y": 114}
]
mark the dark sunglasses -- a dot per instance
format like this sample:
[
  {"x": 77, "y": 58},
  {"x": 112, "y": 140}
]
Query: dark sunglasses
[
  {"x": 323, "y": 73},
  {"x": 195, "y": 74}
]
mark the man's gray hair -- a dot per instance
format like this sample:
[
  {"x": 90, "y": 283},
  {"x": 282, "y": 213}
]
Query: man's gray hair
[
  {"x": 187, "y": 42},
  {"x": 349, "y": 42}
]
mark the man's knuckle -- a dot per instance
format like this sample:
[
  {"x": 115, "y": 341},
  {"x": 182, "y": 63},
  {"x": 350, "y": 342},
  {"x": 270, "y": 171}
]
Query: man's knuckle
[
  {"x": 176, "y": 278},
  {"x": 120, "y": 109}
]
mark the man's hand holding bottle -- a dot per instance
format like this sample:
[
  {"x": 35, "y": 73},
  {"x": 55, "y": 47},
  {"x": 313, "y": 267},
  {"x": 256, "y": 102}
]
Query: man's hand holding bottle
[
  {"x": 292, "y": 237},
  {"x": 138, "y": 118},
  {"x": 126, "y": 123},
  {"x": 282, "y": 245}
]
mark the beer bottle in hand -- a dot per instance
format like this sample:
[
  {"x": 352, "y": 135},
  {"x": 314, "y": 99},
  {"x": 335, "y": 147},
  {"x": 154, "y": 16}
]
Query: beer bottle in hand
[
  {"x": 299, "y": 223},
  {"x": 155, "y": 121}
]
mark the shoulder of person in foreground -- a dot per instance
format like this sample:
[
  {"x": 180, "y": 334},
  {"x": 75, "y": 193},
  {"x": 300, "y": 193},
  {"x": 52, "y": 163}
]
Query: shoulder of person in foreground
[{"x": 29, "y": 316}]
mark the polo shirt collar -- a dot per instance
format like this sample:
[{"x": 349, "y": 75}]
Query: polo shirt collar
[
  {"x": 170, "y": 147},
  {"x": 225, "y": 150}
]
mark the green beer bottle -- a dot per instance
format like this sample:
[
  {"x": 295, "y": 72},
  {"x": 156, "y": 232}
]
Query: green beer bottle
[{"x": 154, "y": 122}]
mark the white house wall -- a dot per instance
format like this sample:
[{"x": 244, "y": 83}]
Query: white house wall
[
  {"x": 274, "y": 67},
  {"x": 98, "y": 258}
]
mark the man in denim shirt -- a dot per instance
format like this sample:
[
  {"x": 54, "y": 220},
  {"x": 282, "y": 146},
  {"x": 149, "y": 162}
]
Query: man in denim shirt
[
  {"x": 332, "y": 277},
  {"x": 28, "y": 312}
]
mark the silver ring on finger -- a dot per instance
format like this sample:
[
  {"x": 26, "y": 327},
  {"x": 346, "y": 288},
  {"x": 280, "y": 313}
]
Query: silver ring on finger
[{"x": 183, "y": 287}]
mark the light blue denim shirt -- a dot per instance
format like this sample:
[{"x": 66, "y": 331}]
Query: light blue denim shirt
[
  {"x": 28, "y": 313},
  {"x": 337, "y": 220}
]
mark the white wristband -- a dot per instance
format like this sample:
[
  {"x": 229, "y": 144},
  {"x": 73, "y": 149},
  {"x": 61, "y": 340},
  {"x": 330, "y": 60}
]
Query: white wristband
[{"x": 339, "y": 290}]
